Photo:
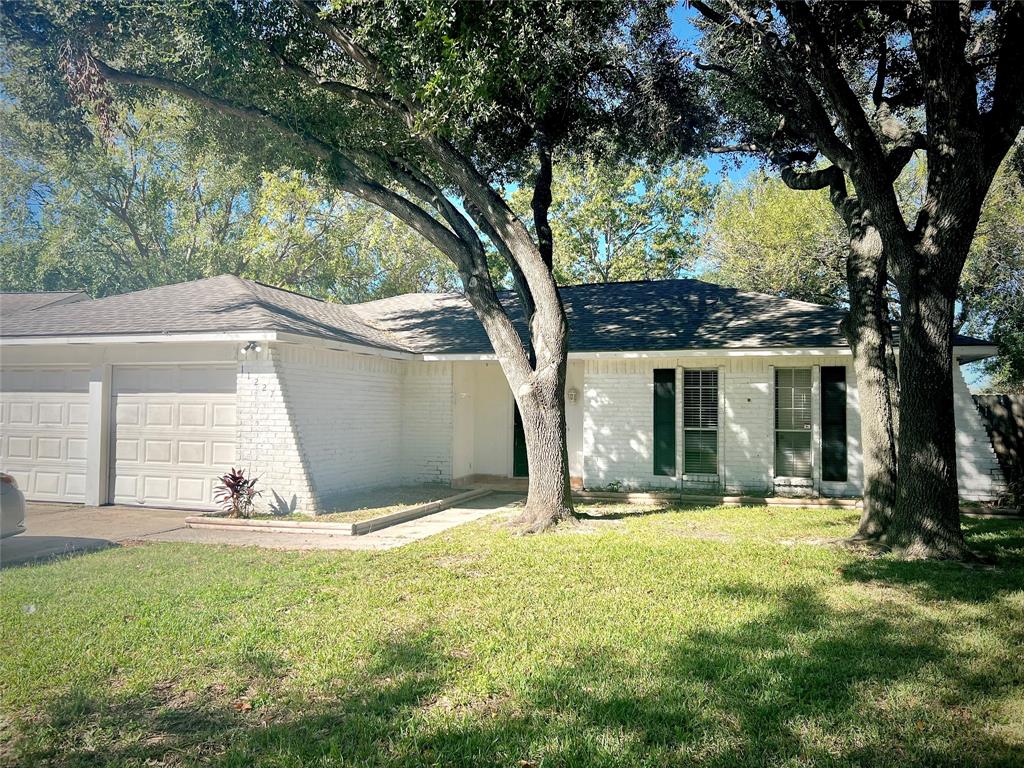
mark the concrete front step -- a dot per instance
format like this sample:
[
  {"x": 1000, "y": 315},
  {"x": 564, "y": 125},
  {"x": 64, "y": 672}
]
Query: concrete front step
[{"x": 728, "y": 501}]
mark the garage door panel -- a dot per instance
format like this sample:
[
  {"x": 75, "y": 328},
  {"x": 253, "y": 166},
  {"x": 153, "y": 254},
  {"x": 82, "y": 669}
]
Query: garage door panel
[
  {"x": 78, "y": 414},
  {"x": 191, "y": 452},
  {"x": 158, "y": 415},
  {"x": 224, "y": 454},
  {"x": 51, "y": 414},
  {"x": 175, "y": 433},
  {"x": 126, "y": 414},
  {"x": 77, "y": 448},
  {"x": 48, "y": 482},
  {"x": 74, "y": 485},
  {"x": 195, "y": 490},
  {"x": 45, "y": 413},
  {"x": 125, "y": 487},
  {"x": 157, "y": 452},
  {"x": 49, "y": 448},
  {"x": 225, "y": 416},
  {"x": 21, "y": 413},
  {"x": 126, "y": 449},
  {"x": 192, "y": 415},
  {"x": 19, "y": 447}
]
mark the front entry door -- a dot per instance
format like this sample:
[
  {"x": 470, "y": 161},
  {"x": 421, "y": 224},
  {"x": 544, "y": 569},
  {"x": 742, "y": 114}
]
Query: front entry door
[{"x": 520, "y": 466}]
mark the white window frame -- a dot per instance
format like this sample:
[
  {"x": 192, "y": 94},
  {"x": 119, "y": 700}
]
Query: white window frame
[
  {"x": 793, "y": 480},
  {"x": 701, "y": 477}
]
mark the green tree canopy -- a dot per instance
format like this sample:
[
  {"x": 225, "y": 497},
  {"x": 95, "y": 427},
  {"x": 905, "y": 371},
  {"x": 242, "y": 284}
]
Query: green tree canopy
[
  {"x": 763, "y": 236},
  {"x": 145, "y": 208},
  {"x": 616, "y": 220}
]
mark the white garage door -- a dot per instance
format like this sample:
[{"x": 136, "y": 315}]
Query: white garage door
[
  {"x": 44, "y": 416},
  {"x": 174, "y": 433}
]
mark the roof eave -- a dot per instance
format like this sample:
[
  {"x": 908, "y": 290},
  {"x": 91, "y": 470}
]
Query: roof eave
[{"x": 212, "y": 337}]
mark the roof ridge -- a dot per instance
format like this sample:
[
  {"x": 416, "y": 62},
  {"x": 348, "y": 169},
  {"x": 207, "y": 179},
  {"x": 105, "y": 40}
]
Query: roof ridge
[
  {"x": 250, "y": 282},
  {"x": 41, "y": 293},
  {"x": 393, "y": 339}
]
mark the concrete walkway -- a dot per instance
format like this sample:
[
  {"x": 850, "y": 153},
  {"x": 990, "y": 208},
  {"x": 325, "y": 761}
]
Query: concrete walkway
[{"x": 62, "y": 529}]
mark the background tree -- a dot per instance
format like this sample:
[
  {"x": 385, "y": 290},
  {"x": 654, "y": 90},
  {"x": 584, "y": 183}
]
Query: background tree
[
  {"x": 764, "y": 236},
  {"x": 615, "y": 220},
  {"x": 840, "y": 95},
  {"x": 421, "y": 108},
  {"x": 145, "y": 209}
]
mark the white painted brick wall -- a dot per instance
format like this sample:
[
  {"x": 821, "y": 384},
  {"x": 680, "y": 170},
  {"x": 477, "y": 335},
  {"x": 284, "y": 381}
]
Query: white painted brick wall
[
  {"x": 427, "y": 423},
  {"x": 315, "y": 424},
  {"x": 268, "y": 446},
  {"x": 618, "y": 419},
  {"x": 346, "y": 411},
  {"x": 978, "y": 473}
]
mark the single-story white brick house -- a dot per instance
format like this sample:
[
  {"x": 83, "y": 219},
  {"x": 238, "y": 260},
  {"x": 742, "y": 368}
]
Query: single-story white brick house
[{"x": 146, "y": 397}]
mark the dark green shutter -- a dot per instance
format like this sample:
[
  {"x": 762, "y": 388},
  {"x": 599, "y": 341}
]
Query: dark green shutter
[
  {"x": 520, "y": 464},
  {"x": 665, "y": 421},
  {"x": 833, "y": 423}
]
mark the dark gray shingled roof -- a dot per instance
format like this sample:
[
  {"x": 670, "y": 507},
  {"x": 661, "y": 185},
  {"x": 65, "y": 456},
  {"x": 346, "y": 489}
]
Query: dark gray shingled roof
[
  {"x": 648, "y": 316},
  {"x": 223, "y": 303},
  {"x": 11, "y": 303}
]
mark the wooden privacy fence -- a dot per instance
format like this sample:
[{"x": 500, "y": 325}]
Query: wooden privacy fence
[{"x": 1004, "y": 418}]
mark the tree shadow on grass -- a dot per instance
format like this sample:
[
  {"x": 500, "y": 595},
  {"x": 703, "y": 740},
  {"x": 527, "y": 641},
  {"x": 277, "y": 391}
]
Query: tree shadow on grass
[
  {"x": 999, "y": 544},
  {"x": 801, "y": 682}
]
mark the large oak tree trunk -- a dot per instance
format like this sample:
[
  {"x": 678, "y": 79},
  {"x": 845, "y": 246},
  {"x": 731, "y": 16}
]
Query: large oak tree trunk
[
  {"x": 926, "y": 519},
  {"x": 537, "y": 382},
  {"x": 868, "y": 332},
  {"x": 542, "y": 407}
]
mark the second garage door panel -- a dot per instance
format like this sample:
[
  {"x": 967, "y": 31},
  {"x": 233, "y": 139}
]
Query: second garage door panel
[{"x": 175, "y": 432}]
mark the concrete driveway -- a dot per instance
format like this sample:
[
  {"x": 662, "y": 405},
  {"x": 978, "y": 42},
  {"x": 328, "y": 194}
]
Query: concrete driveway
[{"x": 60, "y": 529}]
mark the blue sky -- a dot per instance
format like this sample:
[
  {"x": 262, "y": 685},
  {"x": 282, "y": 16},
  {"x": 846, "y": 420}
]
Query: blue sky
[{"x": 734, "y": 168}]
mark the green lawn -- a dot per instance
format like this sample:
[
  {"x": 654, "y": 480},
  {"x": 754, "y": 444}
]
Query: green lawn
[{"x": 713, "y": 637}]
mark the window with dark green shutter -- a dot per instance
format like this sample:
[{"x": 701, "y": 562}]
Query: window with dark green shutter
[
  {"x": 833, "y": 423},
  {"x": 700, "y": 422},
  {"x": 665, "y": 421},
  {"x": 792, "y": 422}
]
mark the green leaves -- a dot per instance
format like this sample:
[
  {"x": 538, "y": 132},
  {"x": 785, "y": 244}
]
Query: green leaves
[
  {"x": 615, "y": 220},
  {"x": 768, "y": 238},
  {"x": 153, "y": 208}
]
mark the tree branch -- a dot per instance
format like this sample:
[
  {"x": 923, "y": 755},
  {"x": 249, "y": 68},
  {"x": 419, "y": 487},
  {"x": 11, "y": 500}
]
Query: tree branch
[
  {"x": 345, "y": 174},
  {"x": 351, "y": 92},
  {"x": 1003, "y": 121},
  {"x": 844, "y": 101},
  {"x": 877, "y": 94},
  {"x": 540, "y": 202},
  {"x": 348, "y": 45}
]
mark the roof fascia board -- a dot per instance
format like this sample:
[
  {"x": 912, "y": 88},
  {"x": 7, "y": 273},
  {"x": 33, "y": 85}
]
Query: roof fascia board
[
  {"x": 153, "y": 338},
  {"x": 344, "y": 346},
  {"x": 663, "y": 353},
  {"x": 963, "y": 353},
  {"x": 974, "y": 353},
  {"x": 968, "y": 353}
]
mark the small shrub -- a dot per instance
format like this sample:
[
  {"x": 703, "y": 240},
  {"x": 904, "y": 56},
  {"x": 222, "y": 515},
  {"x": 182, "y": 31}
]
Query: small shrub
[{"x": 237, "y": 493}]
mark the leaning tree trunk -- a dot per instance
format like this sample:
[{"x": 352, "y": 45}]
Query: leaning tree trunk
[
  {"x": 926, "y": 519},
  {"x": 542, "y": 407},
  {"x": 869, "y": 334}
]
